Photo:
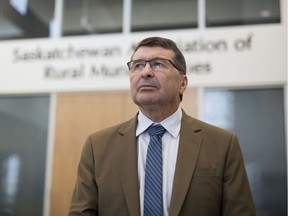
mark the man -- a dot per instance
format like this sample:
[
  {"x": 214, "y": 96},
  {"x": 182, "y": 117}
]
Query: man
[{"x": 200, "y": 171}]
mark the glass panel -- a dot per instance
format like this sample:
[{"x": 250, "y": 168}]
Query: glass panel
[
  {"x": 241, "y": 12},
  {"x": 257, "y": 116},
  {"x": 23, "y": 142},
  {"x": 92, "y": 17},
  {"x": 163, "y": 14},
  {"x": 25, "y": 19}
]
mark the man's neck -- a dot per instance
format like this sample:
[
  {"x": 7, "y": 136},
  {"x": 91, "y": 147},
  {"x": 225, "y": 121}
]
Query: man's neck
[{"x": 157, "y": 114}]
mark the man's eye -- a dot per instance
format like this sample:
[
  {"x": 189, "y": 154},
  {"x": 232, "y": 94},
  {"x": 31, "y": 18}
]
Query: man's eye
[
  {"x": 157, "y": 65},
  {"x": 139, "y": 66}
]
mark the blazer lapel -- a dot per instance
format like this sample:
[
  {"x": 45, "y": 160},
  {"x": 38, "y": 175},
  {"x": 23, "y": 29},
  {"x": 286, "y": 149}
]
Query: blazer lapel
[
  {"x": 189, "y": 148},
  {"x": 127, "y": 165}
]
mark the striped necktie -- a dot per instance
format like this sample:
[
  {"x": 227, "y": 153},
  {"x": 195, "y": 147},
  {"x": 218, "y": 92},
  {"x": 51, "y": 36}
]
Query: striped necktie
[{"x": 153, "y": 199}]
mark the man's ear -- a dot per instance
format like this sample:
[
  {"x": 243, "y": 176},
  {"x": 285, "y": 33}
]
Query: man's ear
[{"x": 184, "y": 83}]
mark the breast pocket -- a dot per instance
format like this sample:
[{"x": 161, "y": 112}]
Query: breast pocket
[{"x": 204, "y": 172}]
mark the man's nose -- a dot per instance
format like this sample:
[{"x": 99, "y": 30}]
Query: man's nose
[{"x": 147, "y": 71}]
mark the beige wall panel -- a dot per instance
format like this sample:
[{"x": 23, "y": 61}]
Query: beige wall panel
[
  {"x": 78, "y": 115},
  {"x": 190, "y": 102}
]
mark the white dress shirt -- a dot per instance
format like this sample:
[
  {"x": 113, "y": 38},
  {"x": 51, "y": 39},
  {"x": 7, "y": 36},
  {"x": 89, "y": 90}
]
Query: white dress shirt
[{"x": 170, "y": 143}]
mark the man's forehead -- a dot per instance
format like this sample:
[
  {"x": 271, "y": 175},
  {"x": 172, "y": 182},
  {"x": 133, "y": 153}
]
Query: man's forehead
[{"x": 152, "y": 52}]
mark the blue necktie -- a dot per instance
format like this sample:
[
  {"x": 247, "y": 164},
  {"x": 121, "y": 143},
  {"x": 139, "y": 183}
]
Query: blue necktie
[{"x": 153, "y": 203}]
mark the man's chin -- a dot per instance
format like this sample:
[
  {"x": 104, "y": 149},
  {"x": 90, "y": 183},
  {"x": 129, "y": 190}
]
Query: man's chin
[{"x": 145, "y": 101}]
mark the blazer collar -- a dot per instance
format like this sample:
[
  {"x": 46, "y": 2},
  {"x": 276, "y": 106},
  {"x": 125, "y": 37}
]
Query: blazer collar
[
  {"x": 127, "y": 165},
  {"x": 188, "y": 152}
]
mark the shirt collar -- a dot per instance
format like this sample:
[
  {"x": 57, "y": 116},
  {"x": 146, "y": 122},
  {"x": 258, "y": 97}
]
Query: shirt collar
[{"x": 172, "y": 124}]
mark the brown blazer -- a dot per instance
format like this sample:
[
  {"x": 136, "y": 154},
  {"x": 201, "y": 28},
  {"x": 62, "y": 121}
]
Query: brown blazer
[{"x": 210, "y": 177}]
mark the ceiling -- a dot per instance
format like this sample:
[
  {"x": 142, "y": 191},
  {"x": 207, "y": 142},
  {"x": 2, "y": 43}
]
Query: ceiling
[{"x": 104, "y": 16}]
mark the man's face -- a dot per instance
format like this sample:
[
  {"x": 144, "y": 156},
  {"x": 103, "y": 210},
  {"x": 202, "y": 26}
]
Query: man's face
[{"x": 160, "y": 87}]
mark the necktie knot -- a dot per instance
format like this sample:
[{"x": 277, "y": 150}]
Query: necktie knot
[{"x": 156, "y": 130}]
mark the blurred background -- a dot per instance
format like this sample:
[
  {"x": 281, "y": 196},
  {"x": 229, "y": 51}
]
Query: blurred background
[{"x": 63, "y": 76}]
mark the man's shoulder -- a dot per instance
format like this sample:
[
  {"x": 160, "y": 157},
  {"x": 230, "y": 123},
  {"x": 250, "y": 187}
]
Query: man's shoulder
[
  {"x": 118, "y": 128},
  {"x": 203, "y": 126}
]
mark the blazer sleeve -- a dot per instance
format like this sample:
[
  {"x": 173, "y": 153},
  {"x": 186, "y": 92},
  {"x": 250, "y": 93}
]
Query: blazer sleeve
[
  {"x": 237, "y": 197},
  {"x": 85, "y": 196}
]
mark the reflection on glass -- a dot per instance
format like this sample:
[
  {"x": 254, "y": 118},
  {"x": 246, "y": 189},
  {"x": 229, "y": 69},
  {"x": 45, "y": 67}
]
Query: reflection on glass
[
  {"x": 163, "y": 14},
  {"x": 92, "y": 17},
  {"x": 242, "y": 12},
  {"x": 23, "y": 142},
  {"x": 257, "y": 117},
  {"x": 223, "y": 104},
  {"x": 10, "y": 175},
  {"x": 25, "y": 19}
]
